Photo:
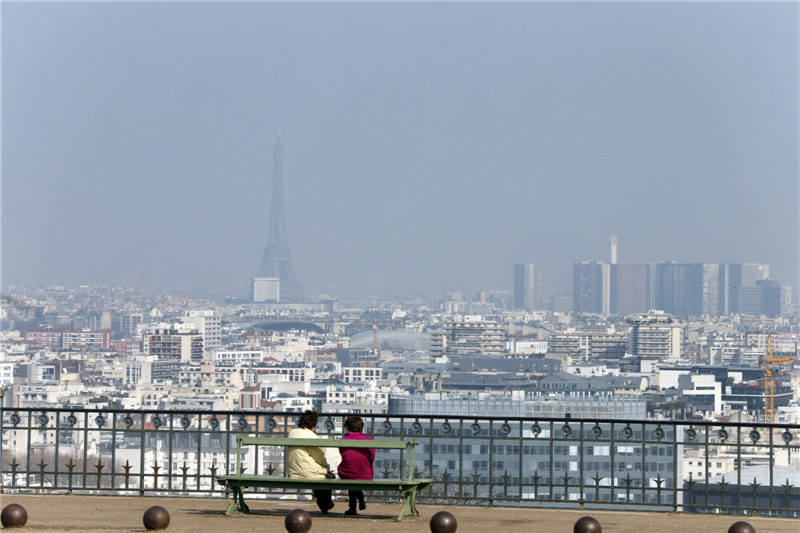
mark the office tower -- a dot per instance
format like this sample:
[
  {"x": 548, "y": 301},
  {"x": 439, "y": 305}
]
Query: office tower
[
  {"x": 689, "y": 289},
  {"x": 629, "y": 288},
  {"x": 674, "y": 285},
  {"x": 277, "y": 260},
  {"x": 767, "y": 297},
  {"x": 707, "y": 288},
  {"x": 589, "y": 287},
  {"x": 527, "y": 286},
  {"x": 733, "y": 276}
]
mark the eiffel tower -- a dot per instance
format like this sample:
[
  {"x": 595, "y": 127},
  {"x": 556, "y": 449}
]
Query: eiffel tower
[{"x": 277, "y": 260}]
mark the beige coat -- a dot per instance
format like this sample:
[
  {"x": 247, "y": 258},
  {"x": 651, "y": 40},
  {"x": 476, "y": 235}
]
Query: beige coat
[{"x": 305, "y": 462}]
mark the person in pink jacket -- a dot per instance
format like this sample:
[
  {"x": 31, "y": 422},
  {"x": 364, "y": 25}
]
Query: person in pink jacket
[{"x": 356, "y": 462}]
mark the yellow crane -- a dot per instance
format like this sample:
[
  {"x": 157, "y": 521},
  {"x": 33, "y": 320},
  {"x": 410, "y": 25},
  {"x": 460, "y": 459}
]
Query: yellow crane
[{"x": 769, "y": 363}]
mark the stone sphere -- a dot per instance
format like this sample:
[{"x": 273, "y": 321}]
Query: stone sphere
[
  {"x": 297, "y": 521},
  {"x": 156, "y": 517},
  {"x": 587, "y": 524},
  {"x": 13, "y": 515},
  {"x": 443, "y": 522},
  {"x": 741, "y": 527}
]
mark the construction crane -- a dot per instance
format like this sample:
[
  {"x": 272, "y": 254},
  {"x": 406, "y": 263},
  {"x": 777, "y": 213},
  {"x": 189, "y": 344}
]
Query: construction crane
[{"x": 769, "y": 363}]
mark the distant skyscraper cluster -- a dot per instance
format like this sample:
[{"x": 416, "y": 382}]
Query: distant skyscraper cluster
[
  {"x": 682, "y": 289},
  {"x": 679, "y": 289}
]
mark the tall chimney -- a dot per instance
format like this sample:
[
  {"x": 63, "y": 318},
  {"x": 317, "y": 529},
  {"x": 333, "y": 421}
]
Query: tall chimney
[{"x": 613, "y": 249}]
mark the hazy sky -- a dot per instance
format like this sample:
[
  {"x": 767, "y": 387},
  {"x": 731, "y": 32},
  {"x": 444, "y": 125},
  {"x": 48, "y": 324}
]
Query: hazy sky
[{"x": 429, "y": 146}]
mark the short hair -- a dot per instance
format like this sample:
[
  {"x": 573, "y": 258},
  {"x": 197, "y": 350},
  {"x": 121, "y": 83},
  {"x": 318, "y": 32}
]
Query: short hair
[
  {"x": 354, "y": 424},
  {"x": 308, "y": 420}
]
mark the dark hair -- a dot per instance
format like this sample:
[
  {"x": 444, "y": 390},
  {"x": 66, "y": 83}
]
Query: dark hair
[
  {"x": 354, "y": 424},
  {"x": 308, "y": 420}
]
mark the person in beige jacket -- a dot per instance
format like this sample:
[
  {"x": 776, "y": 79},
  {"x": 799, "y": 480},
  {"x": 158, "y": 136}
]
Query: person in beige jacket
[{"x": 308, "y": 462}]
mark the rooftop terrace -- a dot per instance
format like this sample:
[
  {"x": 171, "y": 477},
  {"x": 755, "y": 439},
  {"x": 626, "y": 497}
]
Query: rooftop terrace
[
  {"x": 522, "y": 474},
  {"x": 67, "y": 513}
]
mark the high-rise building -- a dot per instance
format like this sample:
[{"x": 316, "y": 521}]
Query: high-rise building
[
  {"x": 629, "y": 288},
  {"x": 734, "y": 276},
  {"x": 674, "y": 288},
  {"x": 688, "y": 289},
  {"x": 767, "y": 297},
  {"x": 528, "y": 286},
  {"x": 590, "y": 286},
  {"x": 277, "y": 260},
  {"x": 694, "y": 289},
  {"x": 707, "y": 288}
]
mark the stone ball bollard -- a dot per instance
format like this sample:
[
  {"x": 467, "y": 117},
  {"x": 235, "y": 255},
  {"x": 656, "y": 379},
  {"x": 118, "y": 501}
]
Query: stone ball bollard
[
  {"x": 13, "y": 515},
  {"x": 156, "y": 517},
  {"x": 443, "y": 522},
  {"x": 297, "y": 521},
  {"x": 741, "y": 527},
  {"x": 587, "y": 524}
]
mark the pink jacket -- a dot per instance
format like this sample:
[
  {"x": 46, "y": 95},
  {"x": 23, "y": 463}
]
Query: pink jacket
[{"x": 356, "y": 462}]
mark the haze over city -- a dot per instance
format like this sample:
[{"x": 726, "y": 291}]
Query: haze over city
[{"x": 428, "y": 146}]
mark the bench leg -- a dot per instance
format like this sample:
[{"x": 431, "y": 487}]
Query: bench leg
[
  {"x": 243, "y": 506},
  {"x": 409, "y": 507},
  {"x": 232, "y": 507},
  {"x": 237, "y": 504}
]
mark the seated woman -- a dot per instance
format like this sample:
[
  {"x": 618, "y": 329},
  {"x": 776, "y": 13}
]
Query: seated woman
[
  {"x": 356, "y": 462},
  {"x": 308, "y": 462}
]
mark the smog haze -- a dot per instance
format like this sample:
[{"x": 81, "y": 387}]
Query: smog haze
[{"x": 428, "y": 146}]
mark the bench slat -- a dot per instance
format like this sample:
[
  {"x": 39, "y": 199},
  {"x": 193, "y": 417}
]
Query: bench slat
[
  {"x": 325, "y": 443},
  {"x": 323, "y": 484}
]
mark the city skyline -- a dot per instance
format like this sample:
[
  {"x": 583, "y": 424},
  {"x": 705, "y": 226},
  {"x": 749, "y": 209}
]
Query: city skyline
[{"x": 137, "y": 141}]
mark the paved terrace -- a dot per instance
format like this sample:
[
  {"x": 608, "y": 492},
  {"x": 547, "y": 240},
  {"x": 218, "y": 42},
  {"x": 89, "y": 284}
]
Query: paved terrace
[{"x": 66, "y": 513}]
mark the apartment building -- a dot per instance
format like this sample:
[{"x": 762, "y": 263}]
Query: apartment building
[{"x": 469, "y": 335}]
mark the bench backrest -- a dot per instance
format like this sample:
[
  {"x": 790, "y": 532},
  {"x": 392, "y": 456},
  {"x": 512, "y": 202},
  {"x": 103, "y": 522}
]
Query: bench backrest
[{"x": 243, "y": 440}]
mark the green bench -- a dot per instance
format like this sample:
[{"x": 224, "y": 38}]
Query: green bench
[{"x": 406, "y": 487}]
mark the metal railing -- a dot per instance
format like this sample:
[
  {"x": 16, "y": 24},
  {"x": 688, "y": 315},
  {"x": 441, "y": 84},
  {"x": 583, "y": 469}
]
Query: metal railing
[{"x": 746, "y": 468}]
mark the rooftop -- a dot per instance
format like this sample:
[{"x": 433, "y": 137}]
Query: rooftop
[{"x": 74, "y": 513}]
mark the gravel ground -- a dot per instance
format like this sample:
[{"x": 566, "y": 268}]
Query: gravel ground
[{"x": 66, "y": 513}]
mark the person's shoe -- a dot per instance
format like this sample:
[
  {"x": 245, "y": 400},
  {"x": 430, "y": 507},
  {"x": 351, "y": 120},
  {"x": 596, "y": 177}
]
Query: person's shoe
[
  {"x": 351, "y": 512},
  {"x": 362, "y": 505},
  {"x": 325, "y": 510}
]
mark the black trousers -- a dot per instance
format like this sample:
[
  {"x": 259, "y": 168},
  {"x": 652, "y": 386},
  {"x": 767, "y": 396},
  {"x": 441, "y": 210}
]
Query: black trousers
[
  {"x": 324, "y": 499},
  {"x": 355, "y": 496}
]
